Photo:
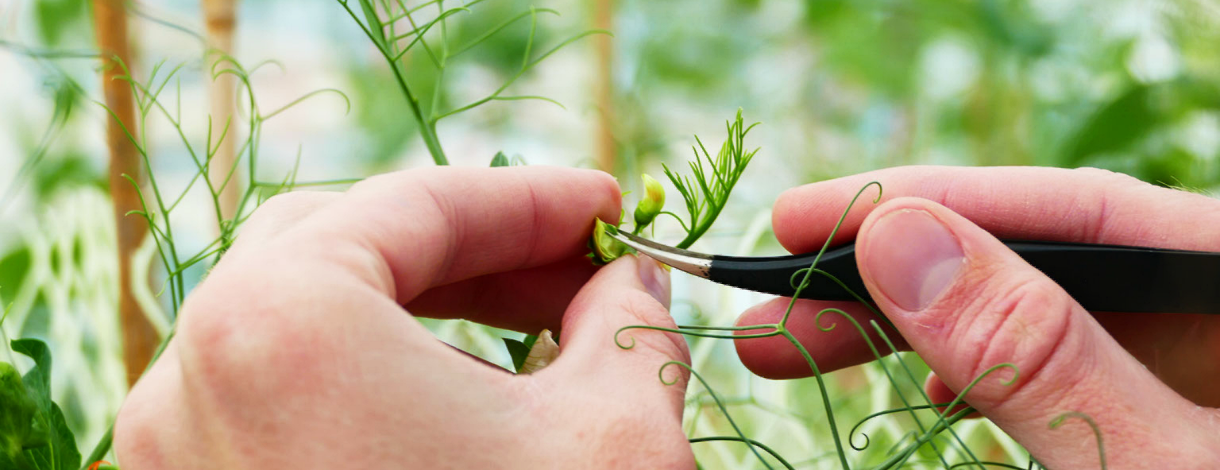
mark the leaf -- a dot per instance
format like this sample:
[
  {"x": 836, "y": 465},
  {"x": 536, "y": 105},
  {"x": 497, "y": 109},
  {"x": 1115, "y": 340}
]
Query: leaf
[
  {"x": 542, "y": 353},
  {"x": 712, "y": 179},
  {"x": 17, "y": 410},
  {"x": 14, "y": 267},
  {"x": 499, "y": 160},
  {"x": 374, "y": 24},
  {"x": 59, "y": 451},
  {"x": 1115, "y": 126},
  {"x": 529, "y": 340},
  {"x": 518, "y": 351},
  {"x": 56, "y": 18}
]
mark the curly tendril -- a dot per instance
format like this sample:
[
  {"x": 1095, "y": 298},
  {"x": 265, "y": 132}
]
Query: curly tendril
[
  {"x": 856, "y": 428},
  {"x": 719, "y": 404},
  {"x": 1101, "y": 448},
  {"x": 751, "y": 442}
]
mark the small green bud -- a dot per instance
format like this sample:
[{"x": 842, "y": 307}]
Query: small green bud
[
  {"x": 605, "y": 248},
  {"x": 652, "y": 203}
]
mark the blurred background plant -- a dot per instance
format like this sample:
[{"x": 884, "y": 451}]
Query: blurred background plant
[{"x": 841, "y": 87}]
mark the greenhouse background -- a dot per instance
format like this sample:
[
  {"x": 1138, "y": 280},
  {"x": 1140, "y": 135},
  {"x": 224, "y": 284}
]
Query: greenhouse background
[{"x": 840, "y": 87}]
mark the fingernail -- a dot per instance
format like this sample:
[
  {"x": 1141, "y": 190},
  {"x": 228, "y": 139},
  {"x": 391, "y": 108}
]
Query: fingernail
[
  {"x": 656, "y": 280},
  {"x": 912, "y": 257}
]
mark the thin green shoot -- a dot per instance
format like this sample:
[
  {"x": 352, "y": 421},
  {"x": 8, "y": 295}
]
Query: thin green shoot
[
  {"x": 379, "y": 21},
  {"x": 1101, "y": 447},
  {"x": 706, "y": 191}
]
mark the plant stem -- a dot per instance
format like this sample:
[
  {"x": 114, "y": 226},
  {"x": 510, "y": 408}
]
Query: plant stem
[
  {"x": 427, "y": 129},
  {"x": 100, "y": 450}
]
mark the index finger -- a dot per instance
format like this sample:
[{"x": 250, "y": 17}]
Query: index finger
[
  {"x": 418, "y": 229},
  {"x": 1083, "y": 205}
]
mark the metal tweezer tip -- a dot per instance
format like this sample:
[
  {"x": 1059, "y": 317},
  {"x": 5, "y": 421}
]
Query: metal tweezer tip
[{"x": 697, "y": 264}]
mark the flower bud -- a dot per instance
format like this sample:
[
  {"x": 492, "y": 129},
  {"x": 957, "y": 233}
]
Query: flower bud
[
  {"x": 605, "y": 248},
  {"x": 652, "y": 203}
]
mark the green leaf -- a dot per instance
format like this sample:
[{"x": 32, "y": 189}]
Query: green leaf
[
  {"x": 529, "y": 340},
  {"x": 518, "y": 350},
  {"x": 1115, "y": 126},
  {"x": 712, "y": 179},
  {"x": 499, "y": 160},
  {"x": 56, "y": 18},
  {"x": 14, "y": 267},
  {"x": 17, "y": 410},
  {"x": 374, "y": 24},
  {"x": 58, "y": 451}
]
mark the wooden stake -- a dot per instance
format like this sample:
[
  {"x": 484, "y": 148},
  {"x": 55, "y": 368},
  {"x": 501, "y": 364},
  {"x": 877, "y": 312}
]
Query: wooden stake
[
  {"x": 221, "y": 16},
  {"x": 110, "y": 24},
  {"x": 607, "y": 150}
]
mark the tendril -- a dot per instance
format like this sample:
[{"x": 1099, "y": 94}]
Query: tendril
[
  {"x": 687, "y": 331},
  {"x": 719, "y": 404},
  {"x": 751, "y": 442},
  {"x": 1101, "y": 448},
  {"x": 856, "y": 428}
]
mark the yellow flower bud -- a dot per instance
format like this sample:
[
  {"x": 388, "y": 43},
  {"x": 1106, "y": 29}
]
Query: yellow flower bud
[{"x": 652, "y": 203}]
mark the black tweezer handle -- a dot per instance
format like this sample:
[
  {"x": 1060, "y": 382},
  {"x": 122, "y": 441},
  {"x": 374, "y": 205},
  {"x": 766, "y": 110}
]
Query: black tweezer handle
[{"x": 1104, "y": 278}]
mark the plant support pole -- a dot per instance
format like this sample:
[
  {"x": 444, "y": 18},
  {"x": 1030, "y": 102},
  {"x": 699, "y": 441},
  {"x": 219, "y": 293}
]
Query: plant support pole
[
  {"x": 220, "y": 17},
  {"x": 110, "y": 26},
  {"x": 606, "y": 152}
]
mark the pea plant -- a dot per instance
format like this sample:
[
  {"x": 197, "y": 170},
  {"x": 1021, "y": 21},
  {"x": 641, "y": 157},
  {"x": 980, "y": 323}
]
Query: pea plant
[{"x": 35, "y": 435}]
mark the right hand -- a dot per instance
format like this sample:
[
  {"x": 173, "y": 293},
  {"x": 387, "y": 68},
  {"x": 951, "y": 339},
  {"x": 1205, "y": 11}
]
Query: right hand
[{"x": 990, "y": 307}]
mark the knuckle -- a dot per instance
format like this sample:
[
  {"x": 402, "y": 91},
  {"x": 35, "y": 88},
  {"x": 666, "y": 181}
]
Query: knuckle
[
  {"x": 137, "y": 433},
  {"x": 239, "y": 336},
  {"x": 645, "y": 310},
  {"x": 290, "y": 204},
  {"x": 278, "y": 213},
  {"x": 1024, "y": 322}
]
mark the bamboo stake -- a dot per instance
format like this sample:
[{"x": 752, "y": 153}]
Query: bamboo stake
[
  {"x": 220, "y": 17},
  {"x": 110, "y": 26},
  {"x": 606, "y": 151}
]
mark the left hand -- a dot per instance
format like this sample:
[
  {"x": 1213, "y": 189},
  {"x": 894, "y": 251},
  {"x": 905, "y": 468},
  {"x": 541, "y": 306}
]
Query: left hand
[{"x": 296, "y": 351}]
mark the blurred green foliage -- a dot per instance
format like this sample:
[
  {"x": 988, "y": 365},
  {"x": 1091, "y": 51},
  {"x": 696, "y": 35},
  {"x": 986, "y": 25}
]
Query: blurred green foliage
[
  {"x": 58, "y": 18},
  {"x": 987, "y": 82}
]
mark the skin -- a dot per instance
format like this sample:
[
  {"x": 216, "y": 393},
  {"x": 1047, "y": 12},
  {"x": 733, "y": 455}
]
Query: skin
[
  {"x": 297, "y": 351},
  {"x": 1148, "y": 380},
  {"x": 300, "y": 350}
]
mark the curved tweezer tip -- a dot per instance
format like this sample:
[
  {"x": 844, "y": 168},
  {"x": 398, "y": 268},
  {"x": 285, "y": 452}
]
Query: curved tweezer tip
[{"x": 694, "y": 263}]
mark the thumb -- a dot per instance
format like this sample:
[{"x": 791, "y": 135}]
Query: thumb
[
  {"x": 966, "y": 303},
  {"x": 630, "y": 292}
]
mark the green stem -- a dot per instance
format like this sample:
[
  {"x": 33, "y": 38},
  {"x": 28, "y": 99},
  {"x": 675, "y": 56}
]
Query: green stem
[
  {"x": 427, "y": 130},
  {"x": 99, "y": 451}
]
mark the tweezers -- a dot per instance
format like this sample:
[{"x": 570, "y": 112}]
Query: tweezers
[{"x": 1105, "y": 278}]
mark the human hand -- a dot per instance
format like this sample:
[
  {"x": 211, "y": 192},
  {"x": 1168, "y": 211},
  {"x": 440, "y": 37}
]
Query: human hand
[
  {"x": 296, "y": 351},
  {"x": 966, "y": 303}
]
